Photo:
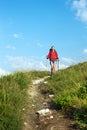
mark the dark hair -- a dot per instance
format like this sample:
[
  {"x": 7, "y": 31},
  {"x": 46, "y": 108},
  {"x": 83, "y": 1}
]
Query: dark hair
[
  {"x": 52, "y": 47},
  {"x": 50, "y": 50}
]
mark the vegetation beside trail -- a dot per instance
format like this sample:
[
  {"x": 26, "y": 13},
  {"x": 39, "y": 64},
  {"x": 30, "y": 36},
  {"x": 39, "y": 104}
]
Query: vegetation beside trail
[
  {"x": 69, "y": 87},
  {"x": 13, "y": 96}
]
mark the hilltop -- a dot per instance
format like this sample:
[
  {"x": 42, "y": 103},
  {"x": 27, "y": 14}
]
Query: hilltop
[{"x": 64, "y": 95}]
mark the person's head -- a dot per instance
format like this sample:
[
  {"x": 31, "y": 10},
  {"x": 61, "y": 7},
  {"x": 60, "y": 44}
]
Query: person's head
[{"x": 52, "y": 47}]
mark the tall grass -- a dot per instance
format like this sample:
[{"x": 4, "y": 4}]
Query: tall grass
[
  {"x": 70, "y": 89},
  {"x": 13, "y": 97},
  {"x": 12, "y": 88}
]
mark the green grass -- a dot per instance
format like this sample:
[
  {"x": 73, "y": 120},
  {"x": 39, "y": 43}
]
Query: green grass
[
  {"x": 13, "y": 97},
  {"x": 70, "y": 94},
  {"x": 70, "y": 89}
]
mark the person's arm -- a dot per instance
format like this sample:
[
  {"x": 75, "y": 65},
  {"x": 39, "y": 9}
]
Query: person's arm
[{"x": 48, "y": 56}]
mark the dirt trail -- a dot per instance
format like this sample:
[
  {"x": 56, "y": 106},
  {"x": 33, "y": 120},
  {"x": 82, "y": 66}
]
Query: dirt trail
[{"x": 37, "y": 101}]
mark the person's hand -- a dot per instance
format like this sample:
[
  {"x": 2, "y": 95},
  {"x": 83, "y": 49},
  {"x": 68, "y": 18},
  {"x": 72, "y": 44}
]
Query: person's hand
[
  {"x": 57, "y": 59},
  {"x": 46, "y": 57}
]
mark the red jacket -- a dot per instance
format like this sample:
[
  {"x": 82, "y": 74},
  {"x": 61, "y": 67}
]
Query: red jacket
[{"x": 52, "y": 55}]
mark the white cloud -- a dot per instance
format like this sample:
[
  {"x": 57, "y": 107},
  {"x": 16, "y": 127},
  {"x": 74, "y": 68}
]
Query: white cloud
[
  {"x": 3, "y": 72},
  {"x": 23, "y": 63},
  {"x": 81, "y": 9},
  {"x": 85, "y": 51},
  {"x": 17, "y": 35},
  {"x": 33, "y": 63},
  {"x": 65, "y": 62},
  {"x": 11, "y": 47},
  {"x": 62, "y": 66},
  {"x": 68, "y": 61},
  {"x": 39, "y": 45},
  {"x": 62, "y": 63}
]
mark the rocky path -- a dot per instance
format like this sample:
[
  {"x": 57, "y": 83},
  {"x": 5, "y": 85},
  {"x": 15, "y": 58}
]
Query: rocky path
[{"x": 38, "y": 114}]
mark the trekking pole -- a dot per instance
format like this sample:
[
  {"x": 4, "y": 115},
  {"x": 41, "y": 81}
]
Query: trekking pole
[
  {"x": 46, "y": 64},
  {"x": 58, "y": 64}
]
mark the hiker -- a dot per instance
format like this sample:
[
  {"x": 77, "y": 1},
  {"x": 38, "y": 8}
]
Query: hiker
[{"x": 53, "y": 57}]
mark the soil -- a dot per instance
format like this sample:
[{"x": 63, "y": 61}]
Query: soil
[{"x": 38, "y": 99}]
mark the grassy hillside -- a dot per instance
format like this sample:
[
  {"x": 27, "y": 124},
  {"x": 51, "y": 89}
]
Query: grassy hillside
[
  {"x": 70, "y": 95},
  {"x": 12, "y": 97},
  {"x": 70, "y": 89}
]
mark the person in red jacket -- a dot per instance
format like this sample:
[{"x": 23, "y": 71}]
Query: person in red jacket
[{"x": 53, "y": 57}]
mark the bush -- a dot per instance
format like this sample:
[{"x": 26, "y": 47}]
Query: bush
[{"x": 63, "y": 101}]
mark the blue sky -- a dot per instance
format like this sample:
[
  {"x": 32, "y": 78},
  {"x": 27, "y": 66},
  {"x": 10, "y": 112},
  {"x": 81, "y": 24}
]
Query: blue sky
[{"x": 28, "y": 28}]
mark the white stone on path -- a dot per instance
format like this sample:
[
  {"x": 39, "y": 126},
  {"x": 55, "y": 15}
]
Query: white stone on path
[{"x": 44, "y": 112}]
